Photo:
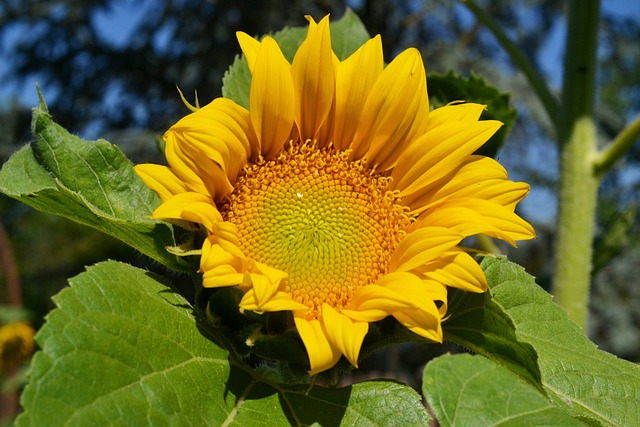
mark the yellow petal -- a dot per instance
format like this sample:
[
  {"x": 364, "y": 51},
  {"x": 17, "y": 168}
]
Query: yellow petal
[
  {"x": 222, "y": 262},
  {"x": 312, "y": 24},
  {"x": 324, "y": 137},
  {"x": 218, "y": 131},
  {"x": 207, "y": 149},
  {"x": 221, "y": 114},
  {"x": 250, "y": 47},
  {"x": 213, "y": 255},
  {"x": 227, "y": 232},
  {"x": 264, "y": 291},
  {"x": 421, "y": 246},
  {"x": 462, "y": 219},
  {"x": 264, "y": 287},
  {"x": 322, "y": 355},
  {"x": 507, "y": 194},
  {"x": 354, "y": 80},
  {"x": 457, "y": 269},
  {"x": 160, "y": 179},
  {"x": 179, "y": 201},
  {"x": 466, "y": 112},
  {"x": 343, "y": 333},
  {"x": 213, "y": 176},
  {"x": 423, "y": 323},
  {"x": 395, "y": 112},
  {"x": 226, "y": 235},
  {"x": 271, "y": 98},
  {"x": 269, "y": 280},
  {"x": 375, "y": 302},
  {"x": 502, "y": 192},
  {"x": 182, "y": 165},
  {"x": 474, "y": 172},
  {"x": 423, "y": 293},
  {"x": 258, "y": 288},
  {"x": 193, "y": 207},
  {"x": 469, "y": 216},
  {"x": 425, "y": 319},
  {"x": 280, "y": 301},
  {"x": 439, "y": 151},
  {"x": 235, "y": 120},
  {"x": 221, "y": 276},
  {"x": 313, "y": 71}
]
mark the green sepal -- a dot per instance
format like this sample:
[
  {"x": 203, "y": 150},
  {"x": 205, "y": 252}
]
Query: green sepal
[{"x": 186, "y": 249}]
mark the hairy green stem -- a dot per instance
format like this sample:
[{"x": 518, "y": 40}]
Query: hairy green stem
[
  {"x": 537, "y": 82},
  {"x": 578, "y": 183},
  {"x": 618, "y": 147}
]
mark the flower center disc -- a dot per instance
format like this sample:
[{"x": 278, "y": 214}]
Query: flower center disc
[{"x": 328, "y": 222}]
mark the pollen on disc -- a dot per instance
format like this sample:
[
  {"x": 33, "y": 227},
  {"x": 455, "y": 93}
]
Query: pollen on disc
[{"x": 328, "y": 222}]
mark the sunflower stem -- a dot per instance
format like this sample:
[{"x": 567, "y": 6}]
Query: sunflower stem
[
  {"x": 578, "y": 181},
  {"x": 618, "y": 147}
]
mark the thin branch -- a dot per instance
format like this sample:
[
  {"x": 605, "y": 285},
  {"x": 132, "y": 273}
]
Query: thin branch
[
  {"x": 549, "y": 101},
  {"x": 606, "y": 158},
  {"x": 8, "y": 263}
]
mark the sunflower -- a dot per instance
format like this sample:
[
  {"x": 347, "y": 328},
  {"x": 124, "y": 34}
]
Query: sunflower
[
  {"x": 16, "y": 344},
  {"x": 338, "y": 195}
]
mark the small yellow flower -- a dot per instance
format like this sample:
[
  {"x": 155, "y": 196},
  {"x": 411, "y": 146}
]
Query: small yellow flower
[
  {"x": 16, "y": 344},
  {"x": 338, "y": 195}
]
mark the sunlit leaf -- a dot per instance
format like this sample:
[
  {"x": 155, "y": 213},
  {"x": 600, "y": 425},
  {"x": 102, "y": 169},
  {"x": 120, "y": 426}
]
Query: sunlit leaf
[
  {"x": 465, "y": 390},
  {"x": 236, "y": 82},
  {"x": 92, "y": 183},
  {"x": 481, "y": 325},
  {"x": 123, "y": 348},
  {"x": 586, "y": 383}
]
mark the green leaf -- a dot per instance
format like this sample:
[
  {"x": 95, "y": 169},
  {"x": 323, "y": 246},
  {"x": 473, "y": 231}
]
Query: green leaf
[
  {"x": 122, "y": 348},
  {"x": 237, "y": 81},
  {"x": 587, "y": 383},
  {"x": 98, "y": 170},
  {"x": 478, "y": 323},
  {"x": 465, "y": 390},
  {"x": 92, "y": 183},
  {"x": 289, "y": 39},
  {"x": 347, "y": 35},
  {"x": 446, "y": 88}
]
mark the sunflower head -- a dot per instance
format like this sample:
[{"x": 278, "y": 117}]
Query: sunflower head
[
  {"x": 16, "y": 344},
  {"x": 338, "y": 196}
]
